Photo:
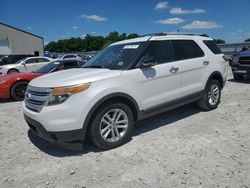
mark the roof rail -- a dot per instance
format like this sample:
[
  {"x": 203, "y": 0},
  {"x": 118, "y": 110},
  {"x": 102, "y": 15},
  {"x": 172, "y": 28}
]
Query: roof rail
[{"x": 165, "y": 34}]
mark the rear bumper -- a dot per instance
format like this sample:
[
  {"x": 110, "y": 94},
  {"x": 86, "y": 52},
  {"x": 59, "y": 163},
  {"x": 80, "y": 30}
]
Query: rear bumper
[{"x": 67, "y": 139}]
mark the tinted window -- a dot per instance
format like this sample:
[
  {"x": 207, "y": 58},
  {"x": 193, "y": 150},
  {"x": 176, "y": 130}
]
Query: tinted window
[
  {"x": 186, "y": 49},
  {"x": 212, "y": 46},
  {"x": 70, "y": 65},
  {"x": 69, "y": 56},
  {"x": 160, "y": 51}
]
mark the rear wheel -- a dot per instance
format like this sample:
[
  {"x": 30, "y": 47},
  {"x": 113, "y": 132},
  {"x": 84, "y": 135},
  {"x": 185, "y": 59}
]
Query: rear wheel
[
  {"x": 111, "y": 126},
  {"x": 18, "y": 90},
  {"x": 211, "y": 96}
]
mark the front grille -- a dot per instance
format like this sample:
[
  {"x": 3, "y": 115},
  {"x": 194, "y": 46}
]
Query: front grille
[
  {"x": 35, "y": 97},
  {"x": 244, "y": 61}
]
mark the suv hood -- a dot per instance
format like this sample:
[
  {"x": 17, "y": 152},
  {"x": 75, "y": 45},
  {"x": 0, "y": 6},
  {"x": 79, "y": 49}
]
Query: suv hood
[{"x": 74, "y": 77}]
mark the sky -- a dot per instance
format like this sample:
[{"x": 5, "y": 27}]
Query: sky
[{"x": 61, "y": 19}]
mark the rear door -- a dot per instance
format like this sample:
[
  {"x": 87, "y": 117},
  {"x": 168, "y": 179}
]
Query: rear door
[{"x": 190, "y": 60}]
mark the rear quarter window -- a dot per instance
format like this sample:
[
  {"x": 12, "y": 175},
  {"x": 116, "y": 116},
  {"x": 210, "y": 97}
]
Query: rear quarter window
[
  {"x": 186, "y": 49},
  {"x": 212, "y": 46}
]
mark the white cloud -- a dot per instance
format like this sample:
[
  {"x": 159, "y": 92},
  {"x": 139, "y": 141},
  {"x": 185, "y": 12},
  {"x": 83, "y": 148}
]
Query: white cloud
[
  {"x": 178, "y": 10},
  {"x": 161, "y": 5},
  {"x": 240, "y": 30},
  {"x": 197, "y": 24},
  {"x": 29, "y": 28},
  {"x": 94, "y": 17},
  {"x": 74, "y": 27},
  {"x": 170, "y": 21}
]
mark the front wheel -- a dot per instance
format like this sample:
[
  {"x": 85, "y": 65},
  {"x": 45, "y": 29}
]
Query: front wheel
[
  {"x": 18, "y": 90},
  {"x": 211, "y": 96},
  {"x": 111, "y": 126}
]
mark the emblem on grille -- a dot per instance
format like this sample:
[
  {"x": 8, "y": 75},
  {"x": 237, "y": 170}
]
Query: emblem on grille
[{"x": 28, "y": 95}]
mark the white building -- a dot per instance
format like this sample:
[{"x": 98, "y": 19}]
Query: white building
[{"x": 17, "y": 41}]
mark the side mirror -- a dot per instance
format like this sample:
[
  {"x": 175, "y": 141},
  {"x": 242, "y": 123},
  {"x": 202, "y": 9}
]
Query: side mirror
[{"x": 146, "y": 62}]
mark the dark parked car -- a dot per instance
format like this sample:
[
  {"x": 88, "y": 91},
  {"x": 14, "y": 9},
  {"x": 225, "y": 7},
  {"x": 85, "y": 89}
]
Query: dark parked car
[
  {"x": 241, "y": 65},
  {"x": 11, "y": 59}
]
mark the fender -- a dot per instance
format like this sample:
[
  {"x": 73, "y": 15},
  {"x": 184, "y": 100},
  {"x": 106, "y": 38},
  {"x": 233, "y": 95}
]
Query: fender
[{"x": 131, "y": 100}]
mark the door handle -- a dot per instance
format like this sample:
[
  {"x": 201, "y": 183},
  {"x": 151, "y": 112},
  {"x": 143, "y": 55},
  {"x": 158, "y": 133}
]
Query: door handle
[
  {"x": 205, "y": 63},
  {"x": 174, "y": 69}
]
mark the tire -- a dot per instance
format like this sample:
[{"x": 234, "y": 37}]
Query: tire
[
  {"x": 105, "y": 121},
  {"x": 210, "y": 101},
  {"x": 238, "y": 77},
  {"x": 11, "y": 71},
  {"x": 18, "y": 90}
]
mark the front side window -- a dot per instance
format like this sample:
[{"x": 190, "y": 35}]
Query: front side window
[
  {"x": 116, "y": 57},
  {"x": 29, "y": 61},
  {"x": 159, "y": 52},
  {"x": 186, "y": 49}
]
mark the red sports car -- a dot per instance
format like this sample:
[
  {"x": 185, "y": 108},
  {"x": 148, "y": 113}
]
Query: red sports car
[{"x": 14, "y": 85}]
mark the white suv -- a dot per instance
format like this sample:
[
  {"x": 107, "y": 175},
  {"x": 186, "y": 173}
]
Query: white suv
[{"x": 126, "y": 82}]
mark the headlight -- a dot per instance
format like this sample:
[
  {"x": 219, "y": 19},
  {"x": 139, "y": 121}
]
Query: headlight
[
  {"x": 235, "y": 60},
  {"x": 59, "y": 95}
]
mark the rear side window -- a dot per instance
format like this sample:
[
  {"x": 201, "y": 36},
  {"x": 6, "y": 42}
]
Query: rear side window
[
  {"x": 186, "y": 49},
  {"x": 212, "y": 46},
  {"x": 160, "y": 51}
]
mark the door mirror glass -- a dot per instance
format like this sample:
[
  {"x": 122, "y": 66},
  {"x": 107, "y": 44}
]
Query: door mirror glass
[{"x": 147, "y": 61}]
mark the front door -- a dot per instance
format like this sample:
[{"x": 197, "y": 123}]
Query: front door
[{"x": 160, "y": 83}]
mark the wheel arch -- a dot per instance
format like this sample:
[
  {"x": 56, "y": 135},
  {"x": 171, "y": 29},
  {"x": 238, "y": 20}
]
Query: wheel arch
[
  {"x": 15, "y": 82},
  {"x": 216, "y": 76},
  {"x": 12, "y": 69},
  {"x": 121, "y": 97}
]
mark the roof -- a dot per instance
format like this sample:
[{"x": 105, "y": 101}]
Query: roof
[
  {"x": 163, "y": 37},
  {"x": 20, "y": 30}
]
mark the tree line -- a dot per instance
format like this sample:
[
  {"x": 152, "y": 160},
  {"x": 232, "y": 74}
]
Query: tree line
[
  {"x": 94, "y": 43},
  {"x": 88, "y": 43}
]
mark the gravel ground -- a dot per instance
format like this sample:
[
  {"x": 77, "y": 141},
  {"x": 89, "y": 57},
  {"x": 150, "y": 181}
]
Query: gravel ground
[{"x": 185, "y": 147}]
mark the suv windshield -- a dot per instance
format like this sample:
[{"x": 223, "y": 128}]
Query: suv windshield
[
  {"x": 116, "y": 57},
  {"x": 48, "y": 67}
]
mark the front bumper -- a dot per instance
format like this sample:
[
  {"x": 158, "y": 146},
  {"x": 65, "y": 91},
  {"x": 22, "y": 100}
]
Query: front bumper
[
  {"x": 4, "y": 91},
  {"x": 67, "y": 139},
  {"x": 241, "y": 70}
]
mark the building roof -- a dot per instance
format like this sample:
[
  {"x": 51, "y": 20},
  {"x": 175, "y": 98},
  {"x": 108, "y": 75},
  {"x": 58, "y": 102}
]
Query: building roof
[{"x": 20, "y": 30}]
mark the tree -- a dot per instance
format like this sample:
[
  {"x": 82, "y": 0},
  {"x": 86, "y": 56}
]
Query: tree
[
  {"x": 219, "y": 41},
  {"x": 247, "y": 40},
  {"x": 89, "y": 43}
]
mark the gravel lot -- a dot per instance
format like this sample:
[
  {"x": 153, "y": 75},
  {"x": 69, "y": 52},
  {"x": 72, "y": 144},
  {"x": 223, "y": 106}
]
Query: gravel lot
[{"x": 185, "y": 147}]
